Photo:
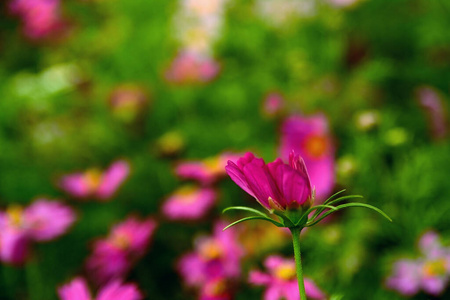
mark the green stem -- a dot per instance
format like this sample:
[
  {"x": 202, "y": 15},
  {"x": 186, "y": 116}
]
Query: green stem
[{"x": 298, "y": 261}]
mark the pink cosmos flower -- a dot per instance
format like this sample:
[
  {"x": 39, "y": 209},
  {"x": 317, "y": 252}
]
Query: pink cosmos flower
[
  {"x": 96, "y": 184},
  {"x": 188, "y": 68},
  {"x": 430, "y": 272},
  {"x": 214, "y": 257},
  {"x": 206, "y": 171},
  {"x": 216, "y": 289},
  {"x": 275, "y": 185},
  {"x": 189, "y": 203},
  {"x": 310, "y": 138},
  {"x": 114, "y": 256},
  {"x": 432, "y": 104},
  {"x": 77, "y": 289},
  {"x": 43, "y": 220},
  {"x": 128, "y": 101},
  {"x": 281, "y": 281},
  {"x": 273, "y": 104},
  {"x": 41, "y": 18}
]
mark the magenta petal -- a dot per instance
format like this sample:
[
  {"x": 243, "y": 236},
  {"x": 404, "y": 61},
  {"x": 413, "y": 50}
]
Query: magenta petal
[
  {"x": 259, "y": 278},
  {"x": 295, "y": 187},
  {"x": 14, "y": 245},
  {"x": 77, "y": 289},
  {"x": 312, "y": 290},
  {"x": 117, "y": 291},
  {"x": 261, "y": 182},
  {"x": 75, "y": 185},
  {"x": 47, "y": 220},
  {"x": 113, "y": 178},
  {"x": 273, "y": 292},
  {"x": 238, "y": 177}
]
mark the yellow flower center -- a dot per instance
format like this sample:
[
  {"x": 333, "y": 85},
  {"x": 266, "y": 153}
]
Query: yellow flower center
[
  {"x": 210, "y": 250},
  {"x": 186, "y": 193},
  {"x": 434, "y": 268},
  {"x": 120, "y": 240},
  {"x": 15, "y": 215},
  {"x": 214, "y": 164},
  {"x": 285, "y": 271},
  {"x": 93, "y": 178},
  {"x": 316, "y": 145}
]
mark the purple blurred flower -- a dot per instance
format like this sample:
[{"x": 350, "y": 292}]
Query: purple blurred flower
[
  {"x": 205, "y": 171},
  {"x": 273, "y": 104},
  {"x": 41, "y": 18},
  {"x": 432, "y": 104},
  {"x": 430, "y": 272},
  {"x": 275, "y": 185},
  {"x": 97, "y": 184},
  {"x": 188, "y": 68},
  {"x": 310, "y": 138},
  {"x": 189, "y": 203},
  {"x": 43, "y": 220},
  {"x": 281, "y": 281},
  {"x": 215, "y": 257},
  {"x": 114, "y": 256},
  {"x": 77, "y": 289}
]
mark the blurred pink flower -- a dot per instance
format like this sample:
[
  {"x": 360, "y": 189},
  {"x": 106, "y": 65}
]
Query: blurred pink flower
[
  {"x": 430, "y": 272},
  {"x": 96, "y": 184},
  {"x": 206, "y": 171},
  {"x": 343, "y": 3},
  {"x": 275, "y": 185},
  {"x": 214, "y": 257},
  {"x": 310, "y": 138},
  {"x": 43, "y": 220},
  {"x": 188, "y": 68},
  {"x": 189, "y": 203},
  {"x": 77, "y": 289},
  {"x": 114, "y": 256},
  {"x": 128, "y": 101},
  {"x": 216, "y": 289},
  {"x": 281, "y": 281},
  {"x": 41, "y": 18},
  {"x": 432, "y": 104},
  {"x": 273, "y": 104}
]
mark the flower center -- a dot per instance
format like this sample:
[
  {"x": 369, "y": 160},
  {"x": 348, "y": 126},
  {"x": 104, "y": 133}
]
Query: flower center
[
  {"x": 210, "y": 250},
  {"x": 121, "y": 241},
  {"x": 15, "y": 215},
  {"x": 316, "y": 145},
  {"x": 434, "y": 268},
  {"x": 186, "y": 194},
  {"x": 92, "y": 179},
  {"x": 285, "y": 271},
  {"x": 214, "y": 164}
]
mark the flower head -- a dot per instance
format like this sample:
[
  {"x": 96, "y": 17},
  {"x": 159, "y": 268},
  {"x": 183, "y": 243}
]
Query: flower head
[
  {"x": 276, "y": 186},
  {"x": 205, "y": 171},
  {"x": 189, "y": 203},
  {"x": 95, "y": 183},
  {"x": 77, "y": 289},
  {"x": 214, "y": 257},
  {"x": 113, "y": 256},
  {"x": 430, "y": 272},
  {"x": 188, "y": 68},
  {"x": 281, "y": 280},
  {"x": 43, "y": 220},
  {"x": 310, "y": 138}
]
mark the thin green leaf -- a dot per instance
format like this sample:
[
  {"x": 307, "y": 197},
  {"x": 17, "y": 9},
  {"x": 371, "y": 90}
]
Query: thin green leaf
[
  {"x": 254, "y": 218},
  {"x": 318, "y": 212},
  {"x": 246, "y": 209},
  {"x": 366, "y": 206},
  {"x": 317, "y": 207},
  {"x": 317, "y": 220},
  {"x": 332, "y": 196}
]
